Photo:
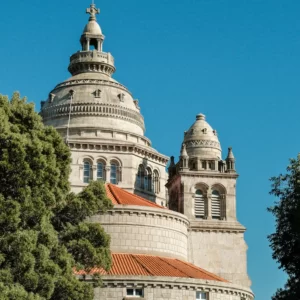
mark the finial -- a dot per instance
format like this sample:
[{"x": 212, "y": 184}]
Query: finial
[
  {"x": 93, "y": 11},
  {"x": 200, "y": 117},
  {"x": 230, "y": 153},
  {"x": 183, "y": 152}
]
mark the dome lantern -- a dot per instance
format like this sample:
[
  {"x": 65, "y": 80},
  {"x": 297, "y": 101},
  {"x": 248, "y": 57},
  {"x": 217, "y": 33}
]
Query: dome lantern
[{"x": 92, "y": 34}]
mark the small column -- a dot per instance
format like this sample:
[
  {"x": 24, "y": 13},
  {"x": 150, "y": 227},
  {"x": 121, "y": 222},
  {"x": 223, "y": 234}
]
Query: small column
[
  {"x": 99, "y": 46},
  {"x": 107, "y": 173},
  {"x": 209, "y": 217},
  {"x": 88, "y": 44},
  {"x": 94, "y": 170}
]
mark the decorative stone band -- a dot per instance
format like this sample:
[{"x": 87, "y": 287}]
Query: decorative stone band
[
  {"x": 96, "y": 109},
  {"x": 91, "y": 61},
  {"x": 216, "y": 226},
  {"x": 91, "y": 81},
  {"x": 165, "y": 214},
  {"x": 203, "y": 144},
  {"x": 113, "y": 147},
  {"x": 170, "y": 287},
  {"x": 208, "y": 174}
]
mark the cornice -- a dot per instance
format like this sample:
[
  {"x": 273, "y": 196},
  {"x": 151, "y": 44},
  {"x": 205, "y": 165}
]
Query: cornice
[
  {"x": 76, "y": 145},
  {"x": 213, "y": 226},
  {"x": 91, "y": 82},
  {"x": 225, "y": 288}
]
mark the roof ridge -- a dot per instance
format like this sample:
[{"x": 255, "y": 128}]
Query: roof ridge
[
  {"x": 165, "y": 259},
  {"x": 141, "y": 263},
  {"x": 202, "y": 270},
  {"x": 134, "y": 195},
  {"x": 113, "y": 193}
]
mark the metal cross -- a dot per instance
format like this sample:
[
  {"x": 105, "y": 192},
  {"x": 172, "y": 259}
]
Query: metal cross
[{"x": 93, "y": 11}]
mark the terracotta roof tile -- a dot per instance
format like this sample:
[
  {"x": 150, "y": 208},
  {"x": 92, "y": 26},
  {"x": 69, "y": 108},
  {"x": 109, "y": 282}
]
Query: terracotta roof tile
[
  {"x": 120, "y": 196},
  {"x": 149, "y": 265}
]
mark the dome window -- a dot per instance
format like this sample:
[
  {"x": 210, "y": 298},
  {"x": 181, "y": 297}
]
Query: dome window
[
  {"x": 121, "y": 97},
  {"x": 97, "y": 93},
  {"x": 51, "y": 97},
  {"x": 204, "y": 130}
]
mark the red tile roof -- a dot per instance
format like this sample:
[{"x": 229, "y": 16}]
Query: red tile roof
[
  {"x": 149, "y": 265},
  {"x": 120, "y": 196}
]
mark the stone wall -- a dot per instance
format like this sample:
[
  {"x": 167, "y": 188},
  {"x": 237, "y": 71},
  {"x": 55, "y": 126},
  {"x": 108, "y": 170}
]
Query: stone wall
[
  {"x": 145, "y": 230},
  {"x": 220, "y": 252},
  {"x": 129, "y": 158},
  {"x": 167, "y": 288}
]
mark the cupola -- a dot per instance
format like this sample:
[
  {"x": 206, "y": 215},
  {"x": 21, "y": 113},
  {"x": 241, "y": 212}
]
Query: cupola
[{"x": 201, "y": 141}]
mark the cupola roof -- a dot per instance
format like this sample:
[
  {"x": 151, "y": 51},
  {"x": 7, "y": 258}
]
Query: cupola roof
[
  {"x": 92, "y": 27},
  {"x": 201, "y": 140}
]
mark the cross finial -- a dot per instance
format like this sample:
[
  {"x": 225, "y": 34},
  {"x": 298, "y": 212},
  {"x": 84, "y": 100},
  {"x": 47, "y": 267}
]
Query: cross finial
[{"x": 93, "y": 11}]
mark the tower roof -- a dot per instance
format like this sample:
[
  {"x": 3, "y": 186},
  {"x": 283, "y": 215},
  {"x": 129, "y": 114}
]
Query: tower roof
[{"x": 201, "y": 140}]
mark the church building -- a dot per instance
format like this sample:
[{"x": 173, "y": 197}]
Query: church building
[{"x": 175, "y": 234}]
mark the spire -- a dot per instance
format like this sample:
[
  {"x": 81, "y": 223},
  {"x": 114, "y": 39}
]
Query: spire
[
  {"x": 230, "y": 161},
  {"x": 93, "y": 11},
  {"x": 183, "y": 152},
  {"x": 184, "y": 158}
]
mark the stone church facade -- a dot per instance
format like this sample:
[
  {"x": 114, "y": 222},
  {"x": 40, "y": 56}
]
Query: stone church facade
[{"x": 175, "y": 234}]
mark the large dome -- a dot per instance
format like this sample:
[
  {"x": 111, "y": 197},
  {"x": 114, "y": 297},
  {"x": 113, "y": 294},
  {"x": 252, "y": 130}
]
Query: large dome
[
  {"x": 91, "y": 103},
  {"x": 201, "y": 140}
]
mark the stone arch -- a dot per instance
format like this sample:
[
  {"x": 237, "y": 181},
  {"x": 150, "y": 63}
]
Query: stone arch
[
  {"x": 218, "y": 201},
  {"x": 199, "y": 185},
  {"x": 85, "y": 157}
]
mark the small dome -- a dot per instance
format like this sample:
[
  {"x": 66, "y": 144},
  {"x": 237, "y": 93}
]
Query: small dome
[
  {"x": 92, "y": 27},
  {"x": 201, "y": 140}
]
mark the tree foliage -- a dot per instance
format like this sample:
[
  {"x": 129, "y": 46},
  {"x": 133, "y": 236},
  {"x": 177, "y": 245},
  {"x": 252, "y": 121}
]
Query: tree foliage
[
  {"x": 285, "y": 242},
  {"x": 43, "y": 235}
]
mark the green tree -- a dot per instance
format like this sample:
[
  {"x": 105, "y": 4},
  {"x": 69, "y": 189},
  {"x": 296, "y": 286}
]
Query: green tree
[
  {"x": 43, "y": 235},
  {"x": 285, "y": 242}
]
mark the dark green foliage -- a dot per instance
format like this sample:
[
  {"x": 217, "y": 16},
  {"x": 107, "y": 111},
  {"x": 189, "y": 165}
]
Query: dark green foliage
[
  {"x": 285, "y": 242},
  {"x": 42, "y": 230}
]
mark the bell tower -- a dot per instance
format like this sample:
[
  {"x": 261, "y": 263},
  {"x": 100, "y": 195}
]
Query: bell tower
[{"x": 202, "y": 186}]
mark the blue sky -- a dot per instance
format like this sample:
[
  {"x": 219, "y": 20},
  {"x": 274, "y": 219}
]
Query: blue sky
[{"x": 236, "y": 61}]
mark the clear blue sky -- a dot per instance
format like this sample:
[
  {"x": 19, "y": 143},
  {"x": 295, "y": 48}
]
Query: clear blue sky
[{"x": 237, "y": 61}]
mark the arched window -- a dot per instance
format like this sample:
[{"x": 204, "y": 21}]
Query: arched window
[
  {"x": 101, "y": 171},
  {"x": 148, "y": 180},
  {"x": 87, "y": 171},
  {"x": 215, "y": 205},
  {"x": 200, "y": 205},
  {"x": 140, "y": 177},
  {"x": 115, "y": 172},
  {"x": 156, "y": 183}
]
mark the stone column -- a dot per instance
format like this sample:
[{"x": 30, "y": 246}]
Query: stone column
[
  {"x": 107, "y": 173},
  {"x": 94, "y": 170},
  {"x": 99, "y": 46},
  {"x": 81, "y": 172},
  {"x": 87, "y": 44},
  {"x": 209, "y": 217}
]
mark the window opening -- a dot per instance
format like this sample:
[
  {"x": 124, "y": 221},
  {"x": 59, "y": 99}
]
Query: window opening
[
  {"x": 199, "y": 204},
  {"x": 135, "y": 292},
  {"x": 86, "y": 172},
  {"x": 215, "y": 205},
  {"x": 201, "y": 296}
]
